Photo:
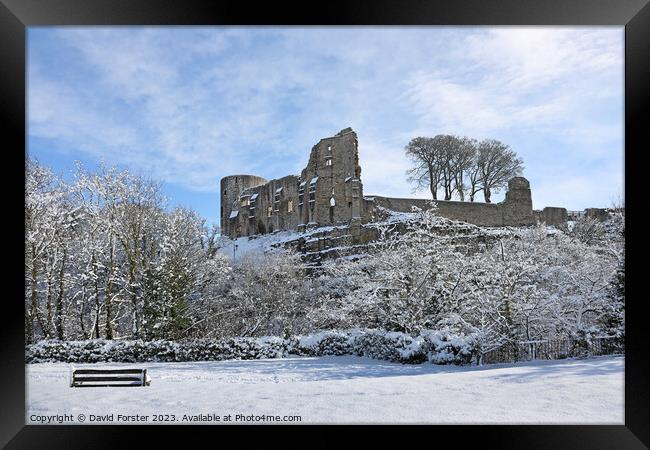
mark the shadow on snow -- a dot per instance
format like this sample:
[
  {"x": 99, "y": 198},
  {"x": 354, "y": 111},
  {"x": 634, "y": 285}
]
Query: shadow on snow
[{"x": 350, "y": 367}]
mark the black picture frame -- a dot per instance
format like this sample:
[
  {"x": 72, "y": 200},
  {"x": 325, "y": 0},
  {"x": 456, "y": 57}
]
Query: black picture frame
[{"x": 17, "y": 15}]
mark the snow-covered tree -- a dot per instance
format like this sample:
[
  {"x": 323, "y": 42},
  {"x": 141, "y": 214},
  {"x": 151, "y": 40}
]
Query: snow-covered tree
[{"x": 49, "y": 222}]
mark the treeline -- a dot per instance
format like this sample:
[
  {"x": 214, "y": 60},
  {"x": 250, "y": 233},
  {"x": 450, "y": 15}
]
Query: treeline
[
  {"x": 460, "y": 166},
  {"x": 523, "y": 285},
  {"x": 106, "y": 258}
]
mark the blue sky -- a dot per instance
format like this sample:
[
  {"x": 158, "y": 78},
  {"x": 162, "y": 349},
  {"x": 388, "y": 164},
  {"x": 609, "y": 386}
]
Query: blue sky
[{"x": 191, "y": 105}]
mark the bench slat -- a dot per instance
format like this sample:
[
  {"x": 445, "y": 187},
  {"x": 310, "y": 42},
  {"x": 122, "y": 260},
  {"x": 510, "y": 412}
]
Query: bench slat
[
  {"x": 103, "y": 371},
  {"x": 109, "y": 377},
  {"x": 84, "y": 379}
]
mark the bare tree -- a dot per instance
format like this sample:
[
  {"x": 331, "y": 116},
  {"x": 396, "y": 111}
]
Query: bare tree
[
  {"x": 439, "y": 162},
  {"x": 428, "y": 168},
  {"x": 48, "y": 220},
  {"x": 497, "y": 163},
  {"x": 461, "y": 161},
  {"x": 473, "y": 175},
  {"x": 451, "y": 150}
]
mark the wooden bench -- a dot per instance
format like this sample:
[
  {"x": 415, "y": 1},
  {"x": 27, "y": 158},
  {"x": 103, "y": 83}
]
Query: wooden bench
[{"x": 109, "y": 377}]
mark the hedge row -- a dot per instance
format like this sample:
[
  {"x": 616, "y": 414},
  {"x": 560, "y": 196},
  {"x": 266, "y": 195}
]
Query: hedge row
[{"x": 435, "y": 347}]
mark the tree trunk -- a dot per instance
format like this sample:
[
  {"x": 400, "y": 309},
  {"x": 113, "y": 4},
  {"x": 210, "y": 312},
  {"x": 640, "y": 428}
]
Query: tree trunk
[
  {"x": 82, "y": 326},
  {"x": 109, "y": 312},
  {"x": 433, "y": 186},
  {"x": 487, "y": 193},
  {"x": 109, "y": 296},
  {"x": 59, "y": 300},
  {"x": 48, "y": 322},
  {"x": 95, "y": 330},
  {"x": 448, "y": 189},
  {"x": 33, "y": 300},
  {"x": 134, "y": 305},
  {"x": 460, "y": 187},
  {"x": 97, "y": 314}
]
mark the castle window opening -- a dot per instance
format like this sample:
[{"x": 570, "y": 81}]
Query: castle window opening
[
  {"x": 312, "y": 190},
  {"x": 276, "y": 199},
  {"x": 332, "y": 201},
  {"x": 301, "y": 193},
  {"x": 253, "y": 203},
  {"x": 290, "y": 206},
  {"x": 269, "y": 211},
  {"x": 328, "y": 162}
]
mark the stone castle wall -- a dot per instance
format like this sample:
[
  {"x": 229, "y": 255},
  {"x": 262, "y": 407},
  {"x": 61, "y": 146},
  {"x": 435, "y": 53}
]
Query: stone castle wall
[
  {"x": 552, "y": 216},
  {"x": 231, "y": 188},
  {"x": 515, "y": 210}
]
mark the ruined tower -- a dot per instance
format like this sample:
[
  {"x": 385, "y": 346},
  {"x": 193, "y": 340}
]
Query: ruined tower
[
  {"x": 331, "y": 190},
  {"x": 231, "y": 190},
  {"x": 328, "y": 191},
  {"x": 517, "y": 207}
]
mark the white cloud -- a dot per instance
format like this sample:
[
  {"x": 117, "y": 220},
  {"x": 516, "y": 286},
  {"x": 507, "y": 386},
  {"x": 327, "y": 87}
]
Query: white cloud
[
  {"x": 56, "y": 112},
  {"x": 576, "y": 191},
  {"x": 523, "y": 77}
]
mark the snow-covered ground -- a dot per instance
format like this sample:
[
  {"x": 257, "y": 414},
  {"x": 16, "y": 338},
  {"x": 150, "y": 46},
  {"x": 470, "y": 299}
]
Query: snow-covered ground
[
  {"x": 257, "y": 244},
  {"x": 342, "y": 389}
]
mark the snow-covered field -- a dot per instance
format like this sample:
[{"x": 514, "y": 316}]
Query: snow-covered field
[{"x": 340, "y": 389}]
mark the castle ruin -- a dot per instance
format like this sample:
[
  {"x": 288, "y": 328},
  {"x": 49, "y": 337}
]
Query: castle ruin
[{"x": 329, "y": 191}]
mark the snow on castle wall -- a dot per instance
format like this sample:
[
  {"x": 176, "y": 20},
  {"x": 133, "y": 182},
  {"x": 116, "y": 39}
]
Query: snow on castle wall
[{"x": 515, "y": 210}]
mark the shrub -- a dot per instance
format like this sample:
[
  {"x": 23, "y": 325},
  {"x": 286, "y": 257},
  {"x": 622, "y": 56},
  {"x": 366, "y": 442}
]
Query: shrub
[{"x": 436, "y": 347}]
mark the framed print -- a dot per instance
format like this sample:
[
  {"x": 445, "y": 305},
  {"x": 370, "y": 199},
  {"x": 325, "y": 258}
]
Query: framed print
[{"x": 406, "y": 214}]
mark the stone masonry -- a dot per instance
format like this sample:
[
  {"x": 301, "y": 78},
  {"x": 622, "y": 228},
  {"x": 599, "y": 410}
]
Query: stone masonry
[
  {"x": 329, "y": 192},
  {"x": 515, "y": 210}
]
